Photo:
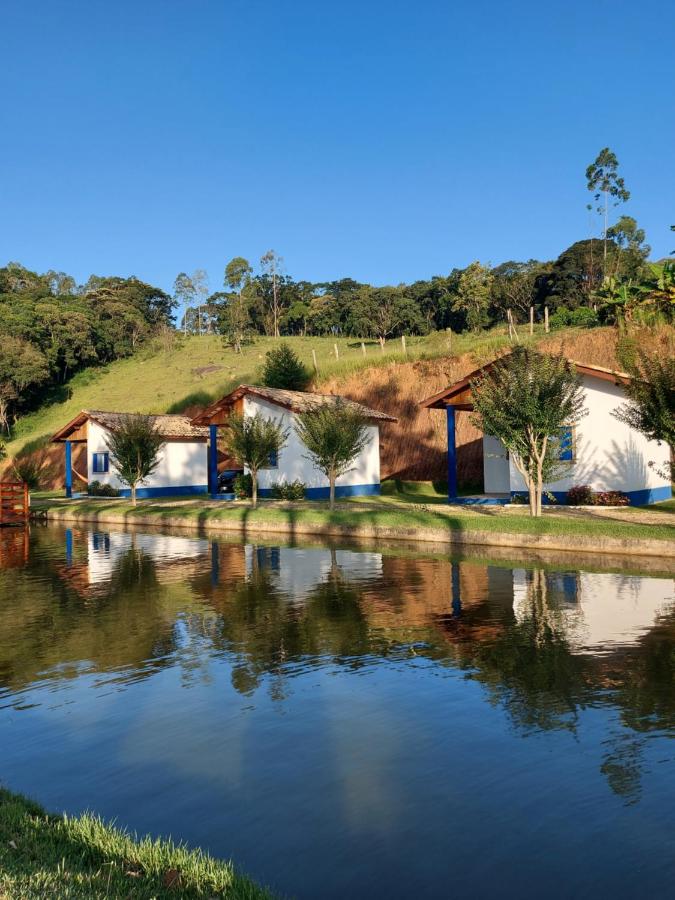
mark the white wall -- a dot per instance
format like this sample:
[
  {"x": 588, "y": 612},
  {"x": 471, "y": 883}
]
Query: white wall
[
  {"x": 609, "y": 454},
  {"x": 293, "y": 464},
  {"x": 181, "y": 463},
  {"x": 496, "y": 472},
  {"x": 298, "y": 572}
]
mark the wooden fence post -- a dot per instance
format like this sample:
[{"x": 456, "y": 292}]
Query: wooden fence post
[
  {"x": 532, "y": 320},
  {"x": 337, "y": 352},
  {"x": 316, "y": 368},
  {"x": 363, "y": 348},
  {"x": 546, "y": 319},
  {"x": 403, "y": 344}
]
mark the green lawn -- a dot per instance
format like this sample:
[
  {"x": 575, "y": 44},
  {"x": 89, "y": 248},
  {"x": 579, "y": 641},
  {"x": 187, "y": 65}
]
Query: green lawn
[
  {"x": 402, "y": 513},
  {"x": 61, "y": 857},
  {"x": 201, "y": 369}
]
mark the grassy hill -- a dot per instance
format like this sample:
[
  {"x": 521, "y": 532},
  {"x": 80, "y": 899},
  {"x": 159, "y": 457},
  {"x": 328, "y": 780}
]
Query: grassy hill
[{"x": 199, "y": 369}]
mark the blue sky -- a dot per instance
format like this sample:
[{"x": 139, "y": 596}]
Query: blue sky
[{"x": 385, "y": 141}]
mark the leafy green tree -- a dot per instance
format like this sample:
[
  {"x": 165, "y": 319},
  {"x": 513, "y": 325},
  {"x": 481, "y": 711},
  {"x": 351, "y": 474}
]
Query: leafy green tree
[
  {"x": 235, "y": 320},
  {"x": 334, "y": 435},
  {"x": 651, "y": 392},
  {"x": 23, "y": 367},
  {"x": 603, "y": 180},
  {"x": 474, "y": 294},
  {"x": 284, "y": 369},
  {"x": 253, "y": 440},
  {"x": 271, "y": 264},
  {"x": 630, "y": 239},
  {"x": 134, "y": 447},
  {"x": 524, "y": 400},
  {"x": 385, "y": 312},
  {"x": 516, "y": 286}
]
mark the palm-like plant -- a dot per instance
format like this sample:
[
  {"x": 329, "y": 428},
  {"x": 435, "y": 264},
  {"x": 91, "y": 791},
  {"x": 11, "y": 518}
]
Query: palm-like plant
[{"x": 253, "y": 440}]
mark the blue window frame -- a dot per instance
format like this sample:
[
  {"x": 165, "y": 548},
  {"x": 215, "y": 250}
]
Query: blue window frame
[
  {"x": 273, "y": 461},
  {"x": 566, "y": 444},
  {"x": 101, "y": 463}
]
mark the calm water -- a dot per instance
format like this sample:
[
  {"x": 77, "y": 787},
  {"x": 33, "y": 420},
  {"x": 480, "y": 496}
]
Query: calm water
[{"x": 344, "y": 723}]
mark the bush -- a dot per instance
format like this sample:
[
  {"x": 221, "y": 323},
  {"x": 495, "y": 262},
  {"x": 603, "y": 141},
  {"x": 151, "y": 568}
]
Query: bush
[
  {"x": 583, "y": 317},
  {"x": 27, "y": 469},
  {"x": 583, "y": 495},
  {"x": 289, "y": 490},
  {"x": 283, "y": 369},
  {"x": 580, "y": 495},
  {"x": 96, "y": 489},
  {"x": 520, "y": 499},
  {"x": 243, "y": 486}
]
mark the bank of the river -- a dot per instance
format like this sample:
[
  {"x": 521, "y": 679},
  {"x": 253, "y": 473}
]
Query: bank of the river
[
  {"x": 43, "y": 855},
  {"x": 560, "y": 530}
]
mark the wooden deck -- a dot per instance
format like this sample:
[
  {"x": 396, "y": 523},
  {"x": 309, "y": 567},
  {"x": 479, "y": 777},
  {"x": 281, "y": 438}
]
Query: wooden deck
[{"x": 14, "y": 503}]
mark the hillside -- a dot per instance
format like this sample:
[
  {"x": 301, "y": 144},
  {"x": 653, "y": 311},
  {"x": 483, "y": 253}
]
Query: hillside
[{"x": 199, "y": 370}]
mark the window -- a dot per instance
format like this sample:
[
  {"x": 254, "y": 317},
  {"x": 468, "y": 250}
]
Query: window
[
  {"x": 273, "y": 461},
  {"x": 566, "y": 448},
  {"x": 101, "y": 463}
]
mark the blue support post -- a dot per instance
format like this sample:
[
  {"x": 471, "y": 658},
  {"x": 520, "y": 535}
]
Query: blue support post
[
  {"x": 69, "y": 546},
  {"x": 213, "y": 460},
  {"x": 452, "y": 455},
  {"x": 215, "y": 564},
  {"x": 69, "y": 470},
  {"x": 456, "y": 595}
]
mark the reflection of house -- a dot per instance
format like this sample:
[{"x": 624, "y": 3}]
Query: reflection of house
[
  {"x": 105, "y": 549},
  {"x": 298, "y": 571},
  {"x": 292, "y": 463},
  {"x": 598, "y": 611},
  {"x": 182, "y": 467},
  {"x": 601, "y": 451}
]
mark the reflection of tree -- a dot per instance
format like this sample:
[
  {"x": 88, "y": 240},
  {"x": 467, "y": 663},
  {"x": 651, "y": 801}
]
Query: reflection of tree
[{"x": 530, "y": 667}]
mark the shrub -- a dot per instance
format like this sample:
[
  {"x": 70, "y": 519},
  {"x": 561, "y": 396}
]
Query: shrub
[
  {"x": 289, "y": 490},
  {"x": 243, "y": 486},
  {"x": 583, "y": 495},
  {"x": 27, "y": 469},
  {"x": 520, "y": 499},
  {"x": 283, "y": 369},
  {"x": 580, "y": 495},
  {"x": 96, "y": 489},
  {"x": 582, "y": 317}
]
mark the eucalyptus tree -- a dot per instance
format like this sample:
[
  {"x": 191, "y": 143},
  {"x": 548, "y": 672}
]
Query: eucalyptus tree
[{"x": 603, "y": 180}]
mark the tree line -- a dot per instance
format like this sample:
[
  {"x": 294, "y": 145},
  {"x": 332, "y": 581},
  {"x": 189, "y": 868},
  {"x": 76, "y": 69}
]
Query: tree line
[{"x": 50, "y": 327}]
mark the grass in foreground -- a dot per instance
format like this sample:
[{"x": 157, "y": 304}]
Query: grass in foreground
[
  {"x": 390, "y": 512},
  {"x": 82, "y": 857}
]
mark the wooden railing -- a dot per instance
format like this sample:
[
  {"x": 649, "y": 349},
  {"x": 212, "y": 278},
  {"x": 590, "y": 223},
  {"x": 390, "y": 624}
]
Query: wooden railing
[{"x": 14, "y": 503}]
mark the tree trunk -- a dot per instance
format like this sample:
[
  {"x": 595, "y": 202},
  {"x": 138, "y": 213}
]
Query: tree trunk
[
  {"x": 331, "y": 479},
  {"x": 254, "y": 490},
  {"x": 133, "y": 495},
  {"x": 532, "y": 496}
]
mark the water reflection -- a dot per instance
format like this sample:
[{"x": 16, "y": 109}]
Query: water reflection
[{"x": 182, "y": 627}]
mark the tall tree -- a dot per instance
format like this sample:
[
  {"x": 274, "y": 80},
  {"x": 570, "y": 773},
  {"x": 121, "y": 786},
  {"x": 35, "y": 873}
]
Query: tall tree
[
  {"x": 235, "y": 319},
  {"x": 253, "y": 440},
  {"x": 473, "y": 295},
  {"x": 603, "y": 180},
  {"x": 134, "y": 447},
  {"x": 524, "y": 400},
  {"x": 271, "y": 264},
  {"x": 633, "y": 251},
  {"x": 334, "y": 435}
]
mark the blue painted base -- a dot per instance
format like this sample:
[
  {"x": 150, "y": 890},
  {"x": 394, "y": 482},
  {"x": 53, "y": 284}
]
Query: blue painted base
[
  {"x": 341, "y": 490},
  {"x": 147, "y": 493},
  {"x": 480, "y": 501},
  {"x": 224, "y": 497},
  {"x": 636, "y": 498}
]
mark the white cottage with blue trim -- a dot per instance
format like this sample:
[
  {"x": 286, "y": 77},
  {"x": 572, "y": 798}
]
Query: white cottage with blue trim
[
  {"x": 292, "y": 463},
  {"x": 600, "y": 451},
  {"x": 183, "y": 459}
]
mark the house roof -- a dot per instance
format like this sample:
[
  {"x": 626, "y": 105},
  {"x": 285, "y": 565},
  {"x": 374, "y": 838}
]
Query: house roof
[
  {"x": 296, "y": 401},
  {"x": 170, "y": 427},
  {"x": 460, "y": 391}
]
